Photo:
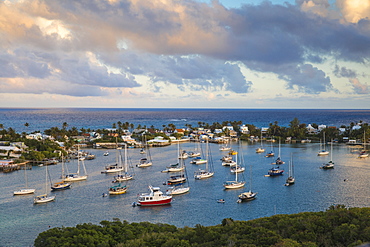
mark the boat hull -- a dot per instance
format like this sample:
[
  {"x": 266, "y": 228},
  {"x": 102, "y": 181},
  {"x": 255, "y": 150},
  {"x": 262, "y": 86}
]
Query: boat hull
[
  {"x": 154, "y": 203},
  {"x": 234, "y": 185},
  {"x": 74, "y": 179},
  {"x": 40, "y": 200},
  {"x": 24, "y": 192}
]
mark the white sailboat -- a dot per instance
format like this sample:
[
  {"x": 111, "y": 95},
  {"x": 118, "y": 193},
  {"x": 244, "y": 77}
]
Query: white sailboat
[
  {"x": 363, "y": 153},
  {"x": 330, "y": 164},
  {"x": 45, "y": 197},
  {"x": 124, "y": 175},
  {"x": 117, "y": 167},
  {"x": 180, "y": 187},
  {"x": 323, "y": 151},
  {"x": 74, "y": 177},
  {"x": 249, "y": 195},
  {"x": 207, "y": 172},
  {"x": 260, "y": 149},
  {"x": 291, "y": 179},
  {"x": 226, "y": 147},
  {"x": 26, "y": 190},
  {"x": 196, "y": 152},
  {"x": 236, "y": 184},
  {"x": 147, "y": 160}
]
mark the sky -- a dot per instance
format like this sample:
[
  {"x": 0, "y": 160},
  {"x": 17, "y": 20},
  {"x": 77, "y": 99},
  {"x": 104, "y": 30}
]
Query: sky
[{"x": 304, "y": 54}]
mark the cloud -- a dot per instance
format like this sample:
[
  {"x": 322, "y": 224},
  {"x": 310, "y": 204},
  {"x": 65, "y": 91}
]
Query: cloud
[
  {"x": 358, "y": 87},
  {"x": 307, "y": 79},
  {"x": 194, "y": 46},
  {"x": 344, "y": 72}
]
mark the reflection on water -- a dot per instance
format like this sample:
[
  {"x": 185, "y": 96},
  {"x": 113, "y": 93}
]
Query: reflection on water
[{"x": 315, "y": 190}]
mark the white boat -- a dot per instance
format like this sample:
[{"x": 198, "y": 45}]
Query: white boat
[
  {"x": 144, "y": 162},
  {"x": 177, "y": 190},
  {"x": 226, "y": 157},
  {"x": 45, "y": 197},
  {"x": 183, "y": 155},
  {"x": 249, "y": 195},
  {"x": 112, "y": 168},
  {"x": 174, "y": 168},
  {"x": 237, "y": 169},
  {"x": 118, "y": 166},
  {"x": 236, "y": 183},
  {"x": 179, "y": 182},
  {"x": 291, "y": 179},
  {"x": 106, "y": 153},
  {"x": 228, "y": 163},
  {"x": 363, "y": 153},
  {"x": 26, "y": 190},
  {"x": 198, "y": 161},
  {"x": 74, "y": 177},
  {"x": 154, "y": 198},
  {"x": 124, "y": 175},
  {"x": 226, "y": 147},
  {"x": 323, "y": 151},
  {"x": 197, "y": 149},
  {"x": 260, "y": 149},
  {"x": 330, "y": 164},
  {"x": 207, "y": 172},
  {"x": 147, "y": 160}
]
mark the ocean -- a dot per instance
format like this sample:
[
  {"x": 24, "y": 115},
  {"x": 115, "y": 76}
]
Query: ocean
[
  {"x": 99, "y": 118},
  {"x": 315, "y": 189}
]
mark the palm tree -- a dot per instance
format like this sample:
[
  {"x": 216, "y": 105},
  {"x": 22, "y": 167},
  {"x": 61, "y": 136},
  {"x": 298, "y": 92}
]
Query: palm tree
[{"x": 65, "y": 125}]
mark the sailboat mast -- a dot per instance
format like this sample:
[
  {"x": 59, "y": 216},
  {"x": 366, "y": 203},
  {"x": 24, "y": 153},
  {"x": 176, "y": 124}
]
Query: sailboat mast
[{"x": 126, "y": 166}]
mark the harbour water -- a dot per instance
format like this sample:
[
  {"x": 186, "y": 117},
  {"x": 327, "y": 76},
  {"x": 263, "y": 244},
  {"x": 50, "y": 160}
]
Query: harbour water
[{"x": 315, "y": 189}]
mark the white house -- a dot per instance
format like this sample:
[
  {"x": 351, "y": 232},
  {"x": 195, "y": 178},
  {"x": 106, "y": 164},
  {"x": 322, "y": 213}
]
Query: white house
[{"x": 244, "y": 129}]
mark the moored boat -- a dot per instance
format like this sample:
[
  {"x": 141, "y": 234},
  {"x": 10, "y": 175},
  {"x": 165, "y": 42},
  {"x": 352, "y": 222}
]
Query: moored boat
[
  {"x": 60, "y": 186},
  {"x": 117, "y": 189},
  {"x": 154, "y": 198}
]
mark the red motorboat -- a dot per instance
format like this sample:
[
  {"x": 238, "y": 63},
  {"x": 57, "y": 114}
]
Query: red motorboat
[{"x": 154, "y": 198}]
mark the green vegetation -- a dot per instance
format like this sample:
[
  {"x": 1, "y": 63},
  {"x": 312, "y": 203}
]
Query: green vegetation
[{"x": 338, "y": 226}]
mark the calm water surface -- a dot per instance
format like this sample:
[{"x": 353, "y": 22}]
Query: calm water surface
[{"x": 315, "y": 190}]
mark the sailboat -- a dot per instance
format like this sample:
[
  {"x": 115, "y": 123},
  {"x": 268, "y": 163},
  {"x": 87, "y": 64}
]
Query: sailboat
[
  {"x": 177, "y": 167},
  {"x": 260, "y": 149},
  {"x": 147, "y": 160},
  {"x": 271, "y": 153},
  {"x": 290, "y": 180},
  {"x": 117, "y": 189},
  {"x": 117, "y": 167},
  {"x": 124, "y": 175},
  {"x": 249, "y": 195},
  {"x": 179, "y": 187},
  {"x": 330, "y": 164},
  {"x": 45, "y": 197},
  {"x": 196, "y": 152},
  {"x": 363, "y": 153},
  {"x": 73, "y": 177},
  {"x": 198, "y": 160},
  {"x": 63, "y": 184},
  {"x": 226, "y": 147},
  {"x": 235, "y": 184},
  {"x": 180, "y": 177},
  {"x": 27, "y": 190},
  {"x": 206, "y": 173},
  {"x": 323, "y": 151},
  {"x": 278, "y": 161}
]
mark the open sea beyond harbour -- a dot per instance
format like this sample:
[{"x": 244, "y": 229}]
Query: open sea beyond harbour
[{"x": 315, "y": 189}]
